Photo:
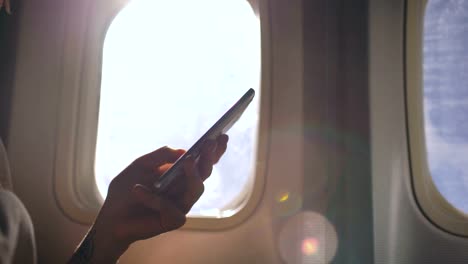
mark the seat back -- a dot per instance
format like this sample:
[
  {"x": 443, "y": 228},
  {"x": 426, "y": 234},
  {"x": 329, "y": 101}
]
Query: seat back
[{"x": 17, "y": 241}]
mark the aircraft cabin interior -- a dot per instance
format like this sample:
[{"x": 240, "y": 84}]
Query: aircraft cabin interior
[{"x": 354, "y": 148}]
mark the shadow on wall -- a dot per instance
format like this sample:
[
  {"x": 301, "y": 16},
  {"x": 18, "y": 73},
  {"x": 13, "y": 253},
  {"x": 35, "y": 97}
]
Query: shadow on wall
[{"x": 8, "y": 41}]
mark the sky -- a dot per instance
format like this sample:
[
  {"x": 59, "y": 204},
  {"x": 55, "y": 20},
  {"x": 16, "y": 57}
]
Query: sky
[{"x": 445, "y": 81}]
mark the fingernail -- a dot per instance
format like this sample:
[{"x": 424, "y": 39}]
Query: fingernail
[{"x": 181, "y": 151}]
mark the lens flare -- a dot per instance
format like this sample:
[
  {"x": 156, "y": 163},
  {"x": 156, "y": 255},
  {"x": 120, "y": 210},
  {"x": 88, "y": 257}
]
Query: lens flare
[
  {"x": 307, "y": 238},
  {"x": 283, "y": 197},
  {"x": 309, "y": 246},
  {"x": 287, "y": 203}
]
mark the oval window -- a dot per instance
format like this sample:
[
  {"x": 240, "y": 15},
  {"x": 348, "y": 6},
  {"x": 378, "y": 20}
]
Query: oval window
[{"x": 445, "y": 66}]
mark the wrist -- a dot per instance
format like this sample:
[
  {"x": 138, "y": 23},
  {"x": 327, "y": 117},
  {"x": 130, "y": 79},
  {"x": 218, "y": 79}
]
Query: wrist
[
  {"x": 98, "y": 247},
  {"x": 108, "y": 248}
]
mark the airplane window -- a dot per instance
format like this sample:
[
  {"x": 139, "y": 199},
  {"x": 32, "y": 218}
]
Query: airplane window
[
  {"x": 170, "y": 70},
  {"x": 445, "y": 70}
]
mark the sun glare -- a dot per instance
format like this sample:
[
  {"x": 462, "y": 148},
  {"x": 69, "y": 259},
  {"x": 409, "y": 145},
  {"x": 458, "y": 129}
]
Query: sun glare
[
  {"x": 309, "y": 246},
  {"x": 170, "y": 70}
]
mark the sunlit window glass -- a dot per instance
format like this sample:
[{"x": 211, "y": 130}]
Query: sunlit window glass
[
  {"x": 446, "y": 97},
  {"x": 170, "y": 70}
]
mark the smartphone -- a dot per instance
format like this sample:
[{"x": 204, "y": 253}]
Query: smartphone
[{"x": 220, "y": 127}]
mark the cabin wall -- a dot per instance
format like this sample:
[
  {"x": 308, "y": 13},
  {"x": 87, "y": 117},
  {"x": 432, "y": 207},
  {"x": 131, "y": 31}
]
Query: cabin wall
[
  {"x": 337, "y": 128},
  {"x": 337, "y": 137},
  {"x": 31, "y": 140},
  {"x": 318, "y": 137}
]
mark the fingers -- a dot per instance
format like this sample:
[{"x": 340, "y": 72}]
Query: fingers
[
  {"x": 163, "y": 168},
  {"x": 222, "y": 141},
  {"x": 144, "y": 195},
  {"x": 147, "y": 214},
  {"x": 194, "y": 183},
  {"x": 211, "y": 152},
  {"x": 170, "y": 217},
  {"x": 177, "y": 187},
  {"x": 159, "y": 157},
  {"x": 206, "y": 160},
  {"x": 185, "y": 191}
]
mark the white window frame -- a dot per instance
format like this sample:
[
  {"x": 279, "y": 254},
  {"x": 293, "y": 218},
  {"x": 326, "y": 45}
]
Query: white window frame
[
  {"x": 74, "y": 176},
  {"x": 433, "y": 204}
]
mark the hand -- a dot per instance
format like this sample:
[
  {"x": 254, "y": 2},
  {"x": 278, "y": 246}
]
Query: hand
[{"x": 132, "y": 211}]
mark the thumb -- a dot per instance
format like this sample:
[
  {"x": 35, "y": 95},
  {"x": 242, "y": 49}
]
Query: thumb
[{"x": 144, "y": 195}]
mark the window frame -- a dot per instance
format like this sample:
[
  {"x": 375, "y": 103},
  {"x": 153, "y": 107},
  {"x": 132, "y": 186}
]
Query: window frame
[
  {"x": 431, "y": 202},
  {"x": 75, "y": 187}
]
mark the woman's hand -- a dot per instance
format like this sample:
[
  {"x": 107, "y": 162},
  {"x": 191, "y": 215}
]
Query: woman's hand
[{"x": 132, "y": 211}]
